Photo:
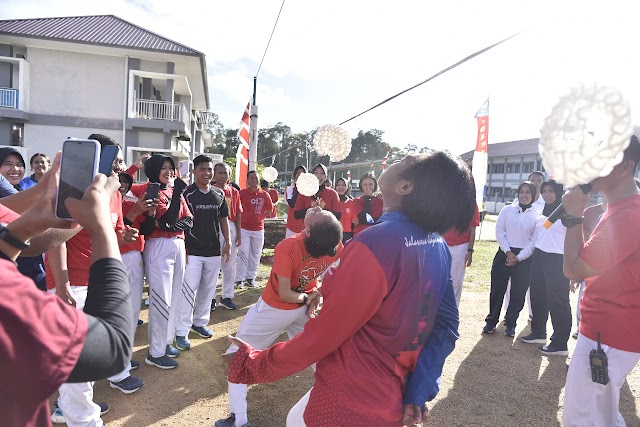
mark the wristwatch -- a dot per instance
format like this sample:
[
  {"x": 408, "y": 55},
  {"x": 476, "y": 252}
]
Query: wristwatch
[
  {"x": 570, "y": 220},
  {"x": 470, "y": 250},
  {"x": 305, "y": 298},
  {"x": 9, "y": 238}
]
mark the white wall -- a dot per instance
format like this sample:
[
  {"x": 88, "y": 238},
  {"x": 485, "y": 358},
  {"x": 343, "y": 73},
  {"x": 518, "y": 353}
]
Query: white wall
[
  {"x": 155, "y": 66},
  {"x": 151, "y": 140},
  {"x": 49, "y": 139},
  {"x": 76, "y": 84}
]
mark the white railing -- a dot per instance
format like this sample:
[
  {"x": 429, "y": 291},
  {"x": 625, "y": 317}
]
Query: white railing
[
  {"x": 8, "y": 98},
  {"x": 160, "y": 110}
]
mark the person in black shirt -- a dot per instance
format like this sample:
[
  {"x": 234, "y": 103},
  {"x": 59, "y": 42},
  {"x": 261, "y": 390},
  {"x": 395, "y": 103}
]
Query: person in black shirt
[{"x": 209, "y": 209}]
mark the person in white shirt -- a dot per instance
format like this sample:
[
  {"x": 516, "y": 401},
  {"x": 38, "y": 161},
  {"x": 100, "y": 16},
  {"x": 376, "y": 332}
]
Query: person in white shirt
[
  {"x": 549, "y": 286},
  {"x": 514, "y": 229}
]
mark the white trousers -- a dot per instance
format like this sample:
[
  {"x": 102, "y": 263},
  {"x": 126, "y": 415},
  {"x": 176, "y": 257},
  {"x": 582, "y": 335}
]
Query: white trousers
[
  {"x": 261, "y": 326},
  {"x": 249, "y": 254},
  {"x": 198, "y": 289},
  {"x": 229, "y": 268},
  {"x": 587, "y": 404},
  {"x": 164, "y": 261},
  {"x": 76, "y": 399},
  {"x": 458, "y": 255},
  {"x": 295, "y": 418}
]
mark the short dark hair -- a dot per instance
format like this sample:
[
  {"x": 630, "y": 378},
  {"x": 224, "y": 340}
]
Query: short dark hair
[
  {"x": 201, "y": 159},
  {"x": 324, "y": 238},
  {"x": 632, "y": 152},
  {"x": 443, "y": 195},
  {"x": 264, "y": 183},
  {"x": 104, "y": 140},
  {"x": 39, "y": 155},
  {"x": 537, "y": 173},
  {"x": 250, "y": 172},
  {"x": 368, "y": 175},
  {"x": 221, "y": 164}
]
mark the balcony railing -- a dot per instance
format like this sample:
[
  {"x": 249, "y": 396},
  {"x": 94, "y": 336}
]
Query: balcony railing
[
  {"x": 8, "y": 98},
  {"x": 160, "y": 110}
]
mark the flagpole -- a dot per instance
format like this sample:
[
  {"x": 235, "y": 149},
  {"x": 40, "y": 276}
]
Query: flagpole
[{"x": 253, "y": 130}]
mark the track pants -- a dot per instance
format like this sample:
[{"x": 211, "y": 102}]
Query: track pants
[
  {"x": 261, "y": 326},
  {"x": 249, "y": 254},
  {"x": 164, "y": 260},
  {"x": 458, "y": 256},
  {"x": 500, "y": 274},
  {"x": 198, "y": 289},
  {"x": 229, "y": 268}
]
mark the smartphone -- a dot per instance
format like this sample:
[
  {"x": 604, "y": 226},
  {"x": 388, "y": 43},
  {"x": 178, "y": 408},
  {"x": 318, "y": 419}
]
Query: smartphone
[
  {"x": 107, "y": 157},
  {"x": 78, "y": 167},
  {"x": 152, "y": 190}
]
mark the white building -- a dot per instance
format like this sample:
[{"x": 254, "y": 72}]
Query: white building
[{"x": 74, "y": 76}]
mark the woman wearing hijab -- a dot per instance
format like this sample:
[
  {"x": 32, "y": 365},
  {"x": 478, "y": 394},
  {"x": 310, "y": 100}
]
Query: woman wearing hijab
[
  {"x": 164, "y": 258},
  {"x": 294, "y": 225},
  {"x": 367, "y": 355},
  {"x": 346, "y": 219},
  {"x": 326, "y": 198},
  {"x": 39, "y": 163},
  {"x": 368, "y": 207},
  {"x": 514, "y": 230},
  {"x": 549, "y": 286}
]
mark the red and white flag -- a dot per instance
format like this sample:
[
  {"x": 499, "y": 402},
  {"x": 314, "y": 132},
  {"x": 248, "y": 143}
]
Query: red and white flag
[
  {"x": 384, "y": 161},
  {"x": 481, "y": 154},
  {"x": 242, "y": 155}
]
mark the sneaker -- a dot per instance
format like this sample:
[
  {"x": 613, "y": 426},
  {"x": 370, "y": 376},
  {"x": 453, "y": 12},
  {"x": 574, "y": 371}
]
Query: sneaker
[
  {"x": 58, "y": 416},
  {"x": 551, "y": 350},
  {"x": 228, "y": 303},
  {"x": 213, "y": 305},
  {"x": 140, "y": 322},
  {"x": 574, "y": 335},
  {"x": 162, "y": 362},
  {"x": 533, "y": 339},
  {"x": 104, "y": 408},
  {"x": 203, "y": 331},
  {"x": 488, "y": 329},
  {"x": 228, "y": 422},
  {"x": 182, "y": 343},
  {"x": 250, "y": 283},
  {"x": 238, "y": 285},
  {"x": 128, "y": 385},
  {"x": 510, "y": 332},
  {"x": 134, "y": 365},
  {"x": 171, "y": 351}
]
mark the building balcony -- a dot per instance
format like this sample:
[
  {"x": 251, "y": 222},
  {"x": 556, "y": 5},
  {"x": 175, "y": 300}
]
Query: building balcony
[
  {"x": 160, "y": 110},
  {"x": 8, "y": 98}
]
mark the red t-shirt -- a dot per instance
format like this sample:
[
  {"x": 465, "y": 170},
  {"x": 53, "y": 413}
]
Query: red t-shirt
[
  {"x": 357, "y": 205},
  {"x": 329, "y": 197},
  {"x": 292, "y": 261},
  {"x": 611, "y": 300},
  {"x": 293, "y": 224},
  {"x": 454, "y": 239},
  {"x": 7, "y": 215},
  {"x": 273, "y": 193},
  {"x": 138, "y": 244},
  {"x": 233, "y": 202},
  {"x": 79, "y": 249},
  {"x": 255, "y": 208},
  {"x": 41, "y": 339},
  {"x": 347, "y": 215},
  {"x": 165, "y": 197}
]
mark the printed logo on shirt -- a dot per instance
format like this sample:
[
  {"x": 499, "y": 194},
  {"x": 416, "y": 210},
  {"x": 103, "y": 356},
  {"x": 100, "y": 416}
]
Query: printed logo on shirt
[
  {"x": 420, "y": 242},
  {"x": 206, "y": 207},
  {"x": 259, "y": 204},
  {"x": 310, "y": 272}
]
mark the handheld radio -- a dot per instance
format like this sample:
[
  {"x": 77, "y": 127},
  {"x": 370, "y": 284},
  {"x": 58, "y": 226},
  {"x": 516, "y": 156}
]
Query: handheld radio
[{"x": 599, "y": 364}]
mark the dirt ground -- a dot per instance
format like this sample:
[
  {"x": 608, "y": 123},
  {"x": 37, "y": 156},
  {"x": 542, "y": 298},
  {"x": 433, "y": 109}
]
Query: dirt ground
[{"x": 487, "y": 381}]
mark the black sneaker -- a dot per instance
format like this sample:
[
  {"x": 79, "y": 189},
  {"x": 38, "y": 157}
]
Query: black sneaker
[
  {"x": 213, "y": 305},
  {"x": 510, "y": 332},
  {"x": 140, "y": 322},
  {"x": 488, "y": 329},
  {"x": 228, "y": 304},
  {"x": 239, "y": 285},
  {"x": 250, "y": 283},
  {"x": 551, "y": 350},
  {"x": 534, "y": 339}
]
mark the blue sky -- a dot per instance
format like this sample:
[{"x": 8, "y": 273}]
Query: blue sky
[{"x": 333, "y": 59}]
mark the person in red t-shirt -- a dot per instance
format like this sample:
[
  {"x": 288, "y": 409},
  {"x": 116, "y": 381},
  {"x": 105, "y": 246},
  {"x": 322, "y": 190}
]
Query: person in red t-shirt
[
  {"x": 368, "y": 207},
  {"x": 347, "y": 216},
  {"x": 273, "y": 193},
  {"x": 610, "y": 307},
  {"x": 326, "y": 198},
  {"x": 221, "y": 172},
  {"x": 461, "y": 248},
  {"x": 294, "y": 225},
  {"x": 290, "y": 297},
  {"x": 256, "y": 206}
]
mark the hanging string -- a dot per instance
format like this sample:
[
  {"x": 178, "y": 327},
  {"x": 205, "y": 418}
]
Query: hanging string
[{"x": 270, "y": 37}]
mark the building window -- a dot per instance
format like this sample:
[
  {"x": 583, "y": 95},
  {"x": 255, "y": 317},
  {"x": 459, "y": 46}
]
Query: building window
[
  {"x": 495, "y": 192},
  {"x": 17, "y": 134},
  {"x": 528, "y": 167},
  {"x": 513, "y": 167},
  {"x": 499, "y": 168}
]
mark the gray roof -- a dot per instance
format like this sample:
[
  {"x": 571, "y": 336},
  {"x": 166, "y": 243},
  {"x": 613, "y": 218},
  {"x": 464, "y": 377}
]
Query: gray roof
[
  {"x": 507, "y": 149},
  {"x": 107, "y": 30}
]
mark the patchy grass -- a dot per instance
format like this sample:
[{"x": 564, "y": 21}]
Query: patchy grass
[{"x": 478, "y": 276}]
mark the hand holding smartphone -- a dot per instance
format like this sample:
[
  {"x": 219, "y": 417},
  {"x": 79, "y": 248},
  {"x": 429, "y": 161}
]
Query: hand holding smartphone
[{"x": 78, "y": 167}]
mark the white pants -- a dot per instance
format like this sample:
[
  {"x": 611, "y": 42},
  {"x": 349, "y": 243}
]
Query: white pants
[
  {"x": 249, "y": 254},
  {"x": 261, "y": 326},
  {"x": 458, "y": 256},
  {"x": 134, "y": 265},
  {"x": 587, "y": 403},
  {"x": 295, "y": 418},
  {"x": 198, "y": 289},
  {"x": 507, "y": 297},
  {"x": 164, "y": 261},
  {"x": 76, "y": 399},
  {"x": 229, "y": 268},
  {"x": 288, "y": 233}
]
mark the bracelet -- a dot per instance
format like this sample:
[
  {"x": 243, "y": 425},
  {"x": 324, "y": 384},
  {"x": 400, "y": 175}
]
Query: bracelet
[{"x": 470, "y": 250}]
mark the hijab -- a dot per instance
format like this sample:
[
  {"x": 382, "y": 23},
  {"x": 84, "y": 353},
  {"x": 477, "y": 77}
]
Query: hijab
[
  {"x": 6, "y": 151},
  {"x": 153, "y": 166},
  {"x": 345, "y": 196},
  {"x": 533, "y": 189},
  {"x": 557, "y": 189}
]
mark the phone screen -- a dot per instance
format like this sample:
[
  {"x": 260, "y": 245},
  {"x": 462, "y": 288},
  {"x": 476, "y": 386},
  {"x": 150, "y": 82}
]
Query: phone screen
[
  {"x": 107, "y": 157},
  {"x": 77, "y": 170}
]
